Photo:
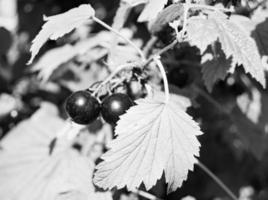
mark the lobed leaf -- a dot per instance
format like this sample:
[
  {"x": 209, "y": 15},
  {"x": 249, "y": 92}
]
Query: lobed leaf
[
  {"x": 152, "y": 138},
  {"x": 58, "y": 25}
]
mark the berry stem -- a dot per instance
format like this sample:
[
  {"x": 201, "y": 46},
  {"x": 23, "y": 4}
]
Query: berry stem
[
  {"x": 164, "y": 76},
  {"x": 120, "y": 35},
  {"x": 114, "y": 73},
  {"x": 217, "y": 180}
]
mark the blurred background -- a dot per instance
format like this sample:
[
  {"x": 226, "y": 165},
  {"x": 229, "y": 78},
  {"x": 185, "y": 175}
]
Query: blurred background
[{"x": 234, "y": 116}]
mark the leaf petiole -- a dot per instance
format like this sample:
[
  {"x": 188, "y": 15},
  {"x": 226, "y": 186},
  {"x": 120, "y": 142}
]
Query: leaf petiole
[{"x": 164, "y": 76}]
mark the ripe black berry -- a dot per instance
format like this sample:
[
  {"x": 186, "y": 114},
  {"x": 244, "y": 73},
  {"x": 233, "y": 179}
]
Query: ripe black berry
[
  {"x": 82, "y": 107},
  {"x": 115, "y": 105}
]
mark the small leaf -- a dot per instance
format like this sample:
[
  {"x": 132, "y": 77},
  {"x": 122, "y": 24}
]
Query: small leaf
[
  {"x": 151, "y": 10},
  {"x": 152, "y": 138},
  {"x": 58, "y": 25}
]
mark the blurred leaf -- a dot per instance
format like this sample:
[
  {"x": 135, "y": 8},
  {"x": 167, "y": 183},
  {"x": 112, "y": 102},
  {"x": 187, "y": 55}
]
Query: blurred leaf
[
  {"x": 7, "y": 104},
  {"x": 58, "y": 25},
  {"x": 27, "y": 169},
  {"x": 53, "y": 58},
  {"x": 166, "y": 16},
  {"x": 250, "y": 119},
  {"x": 152, "y": 138},
  {"x": 151, "y": 10}
]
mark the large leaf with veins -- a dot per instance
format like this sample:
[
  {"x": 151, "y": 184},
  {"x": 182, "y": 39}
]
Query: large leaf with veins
[{"x": 152, "y": 138}]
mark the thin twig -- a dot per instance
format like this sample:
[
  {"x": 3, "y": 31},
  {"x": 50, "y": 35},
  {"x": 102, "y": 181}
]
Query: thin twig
[
  {"x": 217, "y": 180},
  {"x": 114, "y": 73},
  {"x": 149, "y": 45},
  {"x": 120, "y": 35}
]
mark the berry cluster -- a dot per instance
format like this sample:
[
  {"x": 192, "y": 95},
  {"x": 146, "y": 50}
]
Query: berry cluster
[{"x": 83, "y": 108}]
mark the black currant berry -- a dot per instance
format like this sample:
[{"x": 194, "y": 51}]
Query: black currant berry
[
  {"x": 178, "y": 77},
  {"x": 115, "y": 105},
  {"x": 82, "y": 107}
]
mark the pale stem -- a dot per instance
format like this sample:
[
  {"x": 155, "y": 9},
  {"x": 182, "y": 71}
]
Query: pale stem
[
  {"x": 185, "y": 19},
  {"x": 120, "y": 35},
  {"x": 149, "y": 45},
  {"x": 217, "y": 180},
  {"x": 164, "y": 76}
]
